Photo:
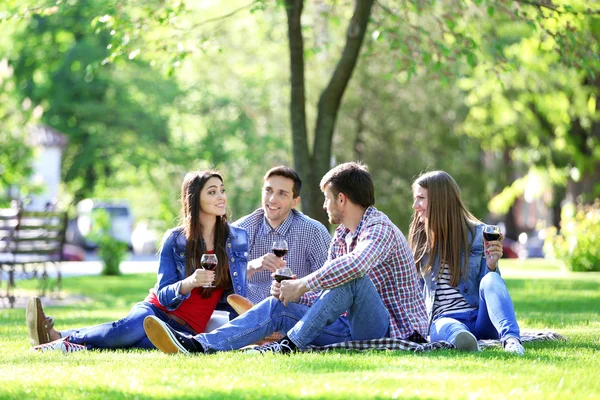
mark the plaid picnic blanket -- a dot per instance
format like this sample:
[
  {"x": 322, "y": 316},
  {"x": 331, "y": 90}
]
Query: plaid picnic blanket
[{"x": 407, "y": 345}]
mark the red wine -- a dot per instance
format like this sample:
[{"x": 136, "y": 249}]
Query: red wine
[
  {"x": 280, "y": 278},
  {"x": 280, "y": 252},
  {"x": 491, "y": 236},
  {"x": 208, "y": 265}
]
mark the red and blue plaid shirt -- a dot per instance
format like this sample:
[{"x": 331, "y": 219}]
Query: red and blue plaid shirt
[{"x": 379, "y": 249}]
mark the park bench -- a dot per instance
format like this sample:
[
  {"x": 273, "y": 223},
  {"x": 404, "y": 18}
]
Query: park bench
[{"x": 30, "y": 241}]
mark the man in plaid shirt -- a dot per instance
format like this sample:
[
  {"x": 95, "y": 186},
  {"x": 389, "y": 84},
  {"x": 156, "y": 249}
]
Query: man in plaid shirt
[{"x": 370, "y": 277}]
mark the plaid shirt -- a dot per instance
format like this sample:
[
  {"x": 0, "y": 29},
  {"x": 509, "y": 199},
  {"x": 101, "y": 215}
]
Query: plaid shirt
[
  {"x": 379, "y": 249},
  {"x": 308, "y": 241}
]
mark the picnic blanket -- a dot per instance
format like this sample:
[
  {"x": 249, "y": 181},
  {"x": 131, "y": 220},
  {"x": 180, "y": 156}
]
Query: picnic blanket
[{"x": 407, "y": 345}]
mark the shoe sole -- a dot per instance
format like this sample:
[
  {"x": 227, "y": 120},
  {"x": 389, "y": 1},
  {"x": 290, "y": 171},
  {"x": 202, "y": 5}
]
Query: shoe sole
[
  {"x": 161, "y": 336},
  {"x": 35, "y": 322},
  {"x": 465, "y": 341}
]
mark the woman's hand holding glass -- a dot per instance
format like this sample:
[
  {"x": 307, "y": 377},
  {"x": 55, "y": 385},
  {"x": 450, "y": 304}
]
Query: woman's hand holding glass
[
  {"x": 202, "y": 278},
  {"x": 493, "y": 238}
]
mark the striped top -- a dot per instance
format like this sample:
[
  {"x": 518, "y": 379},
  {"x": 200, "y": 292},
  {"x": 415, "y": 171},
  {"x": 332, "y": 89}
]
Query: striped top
[{"x": 448, "y": 299}]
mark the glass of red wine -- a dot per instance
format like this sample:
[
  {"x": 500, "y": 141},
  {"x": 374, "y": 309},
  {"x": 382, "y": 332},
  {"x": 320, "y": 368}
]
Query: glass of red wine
[
  {"x": 208, "y": 262},
  {"x": 490, "y": 234},
  {"x": 280, "y": 249}
]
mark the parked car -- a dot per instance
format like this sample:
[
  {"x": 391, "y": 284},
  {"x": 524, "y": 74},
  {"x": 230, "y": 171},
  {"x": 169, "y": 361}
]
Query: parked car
[
  {"x": 146, "y": 235},
  {"x": 121, "y": 219},
  {"x": 532, "y": 244},
  {"x": 72, "y": 252},
  {"x": 510, "y": 248}
]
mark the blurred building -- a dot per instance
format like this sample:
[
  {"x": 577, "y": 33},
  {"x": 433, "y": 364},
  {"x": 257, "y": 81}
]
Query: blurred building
[{"x": 48, "y": 146}]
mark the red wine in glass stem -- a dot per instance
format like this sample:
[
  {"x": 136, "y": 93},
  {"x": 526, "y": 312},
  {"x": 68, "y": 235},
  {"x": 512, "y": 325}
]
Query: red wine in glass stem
[
  {"x": 280, "y": 278},
  {"x": 491, "y": 236},
  {"x": 208, "y": 265},
  {"x": 280, "y": 252}
]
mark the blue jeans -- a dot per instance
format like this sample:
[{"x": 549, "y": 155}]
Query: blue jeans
[
  {"x": 125, "y": 333},
  {"x": 494, "y": 319},
  {"x": 321, "y": 324}
]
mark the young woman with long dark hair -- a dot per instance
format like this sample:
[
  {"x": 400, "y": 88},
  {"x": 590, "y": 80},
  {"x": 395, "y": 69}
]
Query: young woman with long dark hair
[
  {"x": 465, "y": 297},
  {"x": 180, "y": 297}
]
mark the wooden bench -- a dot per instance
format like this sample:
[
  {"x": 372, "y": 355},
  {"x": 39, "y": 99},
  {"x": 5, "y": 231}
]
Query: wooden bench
[{"x": 29, "y": 242}]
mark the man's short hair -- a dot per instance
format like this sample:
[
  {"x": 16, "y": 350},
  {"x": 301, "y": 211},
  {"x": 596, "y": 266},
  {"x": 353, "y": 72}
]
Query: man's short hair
[
  {"x": 354, "y": 180},
  {"x": 289, "y": 173}
]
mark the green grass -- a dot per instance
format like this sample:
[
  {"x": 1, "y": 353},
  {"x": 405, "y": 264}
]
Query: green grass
[{"x": 546, "y": 298}]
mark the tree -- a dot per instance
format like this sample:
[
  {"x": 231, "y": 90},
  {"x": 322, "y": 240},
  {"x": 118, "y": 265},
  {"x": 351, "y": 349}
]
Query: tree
[
  {"x": 442, "y": 49},
  {"x": 15, "y": 154},
  {"x": 313, "y": 165},
  {"x": 112, "y": 115}
]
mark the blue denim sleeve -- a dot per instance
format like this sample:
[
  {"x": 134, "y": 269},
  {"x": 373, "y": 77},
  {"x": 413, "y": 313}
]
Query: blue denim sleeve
[{"x": 169, "y": 279}]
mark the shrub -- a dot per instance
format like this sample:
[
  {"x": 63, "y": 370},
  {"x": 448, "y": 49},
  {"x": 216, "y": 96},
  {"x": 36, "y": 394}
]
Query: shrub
[
  {"x": 110, "y": 250},
  {"x": 578, "y": 243}
]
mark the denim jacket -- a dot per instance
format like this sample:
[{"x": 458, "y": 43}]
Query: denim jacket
[
  {"x": 172, "y": 268},
  {"x": 469, "y": 288}
]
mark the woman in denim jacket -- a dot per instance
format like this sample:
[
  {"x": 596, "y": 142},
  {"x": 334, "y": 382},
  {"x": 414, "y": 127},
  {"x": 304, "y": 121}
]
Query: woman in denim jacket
[
  {"x": 465, "y": 297},
  {"x": 180, "y": 297}
]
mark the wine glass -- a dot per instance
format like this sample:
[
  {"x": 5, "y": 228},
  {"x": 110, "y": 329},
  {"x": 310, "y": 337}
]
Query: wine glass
[
  {"x": 491, "y": 233},
  {"x": 280, "y": 249},
  {"x": 208, "y": 262}
]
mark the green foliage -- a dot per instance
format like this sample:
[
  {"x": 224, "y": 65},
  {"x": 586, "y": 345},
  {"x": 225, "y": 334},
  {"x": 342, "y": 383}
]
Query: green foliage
[
  {"x": 146, "y": 90},
  {"x": 15, "y": 153},
  {"x": 578, "y": 243},
  {"x": 110, "y": 250},
  {"x": 115, "y": 116}
]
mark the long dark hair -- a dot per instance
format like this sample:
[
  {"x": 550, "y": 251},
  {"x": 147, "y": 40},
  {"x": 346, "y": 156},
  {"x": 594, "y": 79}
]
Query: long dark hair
[
  {"x": 446, "y": 230},
  {"x": 193, "y": 183}
]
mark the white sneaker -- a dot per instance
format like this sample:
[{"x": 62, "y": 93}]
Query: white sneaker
[
  {"x": 282, "y": 346},
  {"x": 62, "y": 344},
  {"x": 466, "y": 341},
  {"x": 514, "y": 346}
]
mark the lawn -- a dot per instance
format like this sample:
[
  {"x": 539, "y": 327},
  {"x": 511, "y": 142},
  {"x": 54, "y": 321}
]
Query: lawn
[{"x": 546, "y": 298}]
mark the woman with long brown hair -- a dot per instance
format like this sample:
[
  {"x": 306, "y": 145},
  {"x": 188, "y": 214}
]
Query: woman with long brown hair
[
  {"x": 184, "y": 296},
  {"x": 465, "y": 297}
]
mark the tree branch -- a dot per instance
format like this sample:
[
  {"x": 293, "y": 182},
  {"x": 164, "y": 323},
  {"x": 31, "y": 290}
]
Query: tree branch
[
  {"x": 222, "y": 17},
  {"x": 330, "y": 100},
  {"x": 550, "y": 6}
]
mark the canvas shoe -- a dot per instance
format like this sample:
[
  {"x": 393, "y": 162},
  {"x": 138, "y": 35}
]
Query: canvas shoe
[
  {"x": 168, "y": 340},
  {"x": 38, "y": 324},
  {"x": 466, "y": 341},
  {"x": 514, "y": 346},
  {"x": 62, "y": 344},
  {"x": 281, "y": 346}
]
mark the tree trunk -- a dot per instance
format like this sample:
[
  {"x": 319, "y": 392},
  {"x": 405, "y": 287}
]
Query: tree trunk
[
  {"x": 302, "y": 159},
  {"x": 331, "y": 99},
  {"x": 510, "y": 221}
]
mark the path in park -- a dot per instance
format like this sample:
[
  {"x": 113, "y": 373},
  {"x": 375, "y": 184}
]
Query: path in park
[{"x": 133, "y": 264}]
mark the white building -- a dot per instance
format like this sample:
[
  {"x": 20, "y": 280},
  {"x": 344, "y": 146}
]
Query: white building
[{"x": 48, "y": 144}]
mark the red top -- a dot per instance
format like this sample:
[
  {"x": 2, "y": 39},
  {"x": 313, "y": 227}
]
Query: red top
[{"x": 195, "y": 310}]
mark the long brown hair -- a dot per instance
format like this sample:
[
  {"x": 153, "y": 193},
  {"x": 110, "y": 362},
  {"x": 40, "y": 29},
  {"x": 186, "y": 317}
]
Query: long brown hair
[
  {"x": 192, "y": 186},
  {"x": 446, "y": 231}
]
